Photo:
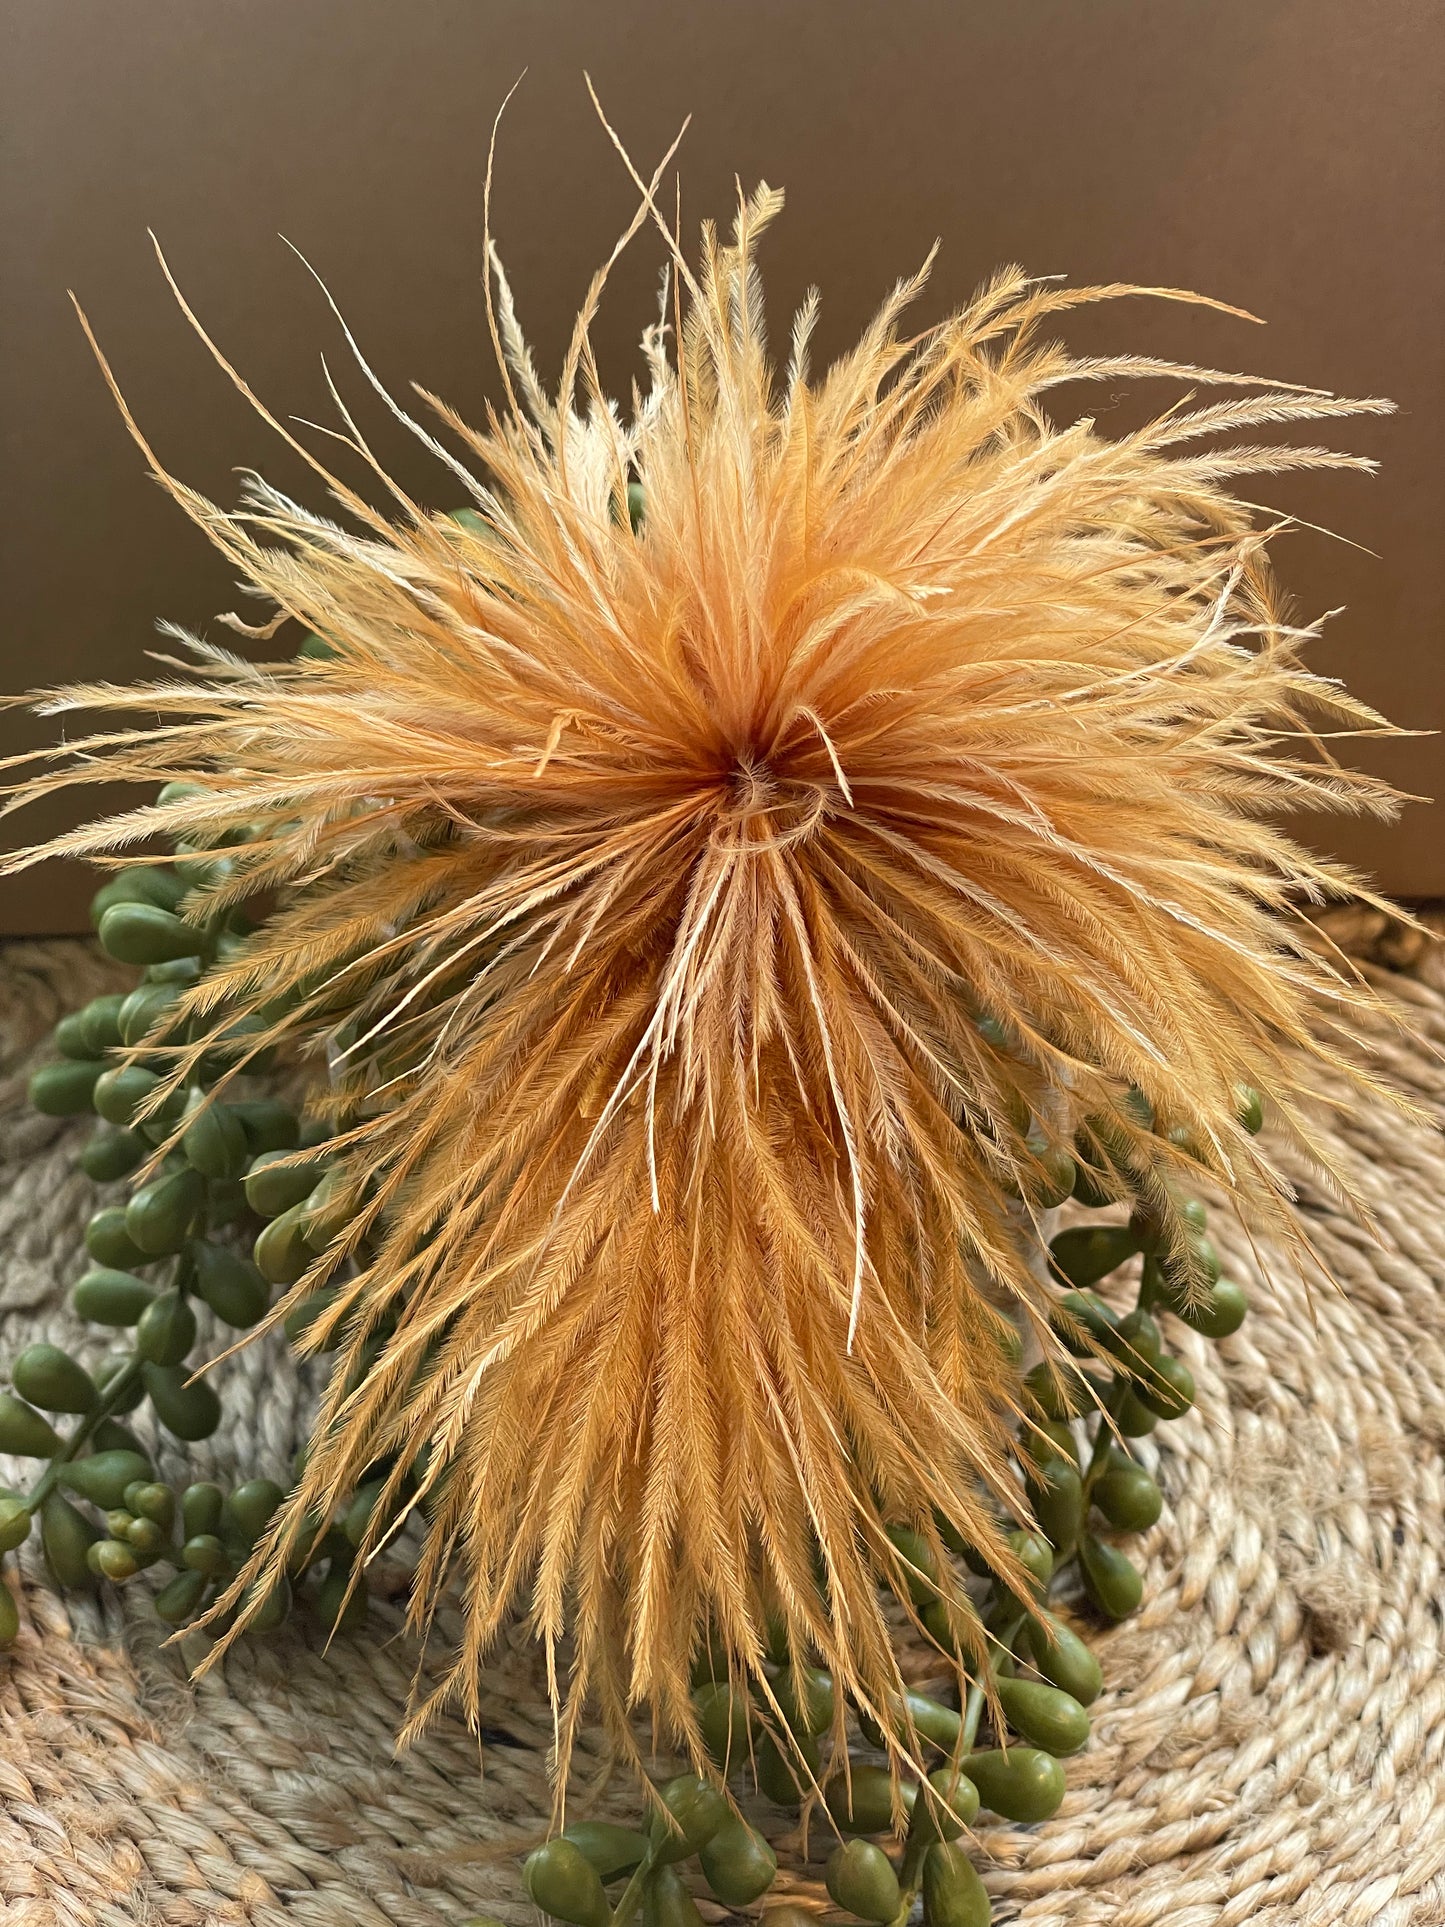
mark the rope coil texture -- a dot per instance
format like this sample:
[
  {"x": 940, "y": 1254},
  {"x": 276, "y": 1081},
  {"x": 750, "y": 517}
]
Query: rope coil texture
[{"x": 1269, "y": 1749}]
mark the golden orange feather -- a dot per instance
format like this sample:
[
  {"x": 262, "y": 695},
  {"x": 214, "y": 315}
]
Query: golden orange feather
[{"x": 705, "y": 929}]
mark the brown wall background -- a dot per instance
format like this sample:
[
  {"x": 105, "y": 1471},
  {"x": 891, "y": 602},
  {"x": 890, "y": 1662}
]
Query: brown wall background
[{"x": 1285, "y": 155}]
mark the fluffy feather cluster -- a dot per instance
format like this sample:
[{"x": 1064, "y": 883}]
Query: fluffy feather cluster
[{"x": 709, "y": 925}]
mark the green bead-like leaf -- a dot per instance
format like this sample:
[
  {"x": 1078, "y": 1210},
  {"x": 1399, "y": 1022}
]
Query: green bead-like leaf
[
  {"x": 103, "y": 1477},
  {"x": 201, "y": 1506},
  {"x": 784, "y": 1778},
  {"x": 861, "y": 1880},
  {"x": 1111, "y": 1579},
  {"x": 179, "y": 1600},
  {"x": 142, "y": 933},
  {"x": 204, "y": 1553},
  {"x": 1063, "y": 1658},
  {"x": 1056, "y": 1493},
  {"x": 807, "y": 1699},
  {"x": 70, "y": 1040},
  {"x": 1218, "y": 1315},
  {"x": 862, "y": 1800},
  {"x": 143, "y": 1010},
  {"x": 112, "y": 1154},
  {"x": 189, "y": 1411},
  {"x": 1045, "y": 1716},
  {"x": 247, "y": 1510},
  {"x": 611, "y": 1850},
  {"x": 950, "y": 1805},
  {"x": 100, "y": 1022},
  {"x": 108, "y": 1241},
  {"x": 112, "y": 1559},
  {"x": 277, "y": 1181},
  {"x": 1128, "y": 1498},
  {"x": 690, "y": 1813},
  {"x": 274, "y": 1608},
  {"x": 269, "y": 1124},
  {"x": 1168, "y": 1389},
  {"x": 340, "y": 1606},
  {"x": 24, "y": 1434},
  {"x": 1084, "y": 1254},
  {"x": 920, "y": 1568},
  {"x": 281, "y": 1252},
  {"x": 723, "y": 1716},
  {"x": 66, "y": 1537},
  {"x": 738, "y": 1863},
  {"x": 51, "y": 1379},
  {"x": 120, "y": 1092},
  {"x": 154, "y": 1502},
  {"x": 215, "y": 1141},
  {"x": 666, "y": 1901},
  {"x": 16, "y": 1520},
  {"x": 167, "y": 1329},
  {"x": 953, "y": 1894},
  {"x": 563, "y": 1882},
  {"x": 65, "y": 1089},
  {"x": 230, "y": 1284},
  {"x": 1024, "y": 1783},
  {"x": 160, "y": 1215}
]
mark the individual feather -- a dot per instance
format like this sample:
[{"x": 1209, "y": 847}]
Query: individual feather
[{"x": 704, "y": 931}]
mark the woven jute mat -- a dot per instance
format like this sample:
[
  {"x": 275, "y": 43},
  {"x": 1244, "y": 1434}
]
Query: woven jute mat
[{"x": 1270, "y": 1746}]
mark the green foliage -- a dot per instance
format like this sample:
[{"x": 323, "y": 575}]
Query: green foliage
[
  {"x": 861, "y": 1801},
  {"x": 102, "y": 1477},
  {"x": 1062, "y": 1658},
  {"x": 156, "y": 1257},
  {"x": 1044, "y": 1715},
  {"x": 1023, "y": 1784},
  {"x": 688, "y": 1814},
  {"x": 51, "y": 1379},
  {"x": 737, "y": 1863},
  {"x": 203, "y": 1159},
  {"x": 563, "y": 1883},
  {"x": 24, "y": 1434},
  {"x": 64, "y": 1089},
  {"x": 861, "y": 1881},
  {"x": 112, "y": 1154},
  {"x": 1128, "y": 1497},
  {"x": 1079, "y": 1480},
  {"x": 142, "y": 933},
  {"x": 16, "y": 1520},
  {"x": 953, "y": 1894},
  {"x": 611, "y": 1850}
]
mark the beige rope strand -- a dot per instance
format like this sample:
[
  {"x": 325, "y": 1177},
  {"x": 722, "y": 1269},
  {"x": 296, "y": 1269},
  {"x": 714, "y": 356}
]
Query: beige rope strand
[{"x": 1269, "y": 1749}]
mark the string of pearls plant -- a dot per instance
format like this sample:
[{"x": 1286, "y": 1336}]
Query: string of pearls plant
[{"x": 244, "y": 1174}]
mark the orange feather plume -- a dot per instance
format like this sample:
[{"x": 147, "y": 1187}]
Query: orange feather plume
[{"x": 709, "y": 928}]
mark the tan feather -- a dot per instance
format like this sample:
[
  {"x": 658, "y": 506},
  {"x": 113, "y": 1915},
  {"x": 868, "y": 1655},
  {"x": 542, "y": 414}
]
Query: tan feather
[{"x": 647, "y": 891}]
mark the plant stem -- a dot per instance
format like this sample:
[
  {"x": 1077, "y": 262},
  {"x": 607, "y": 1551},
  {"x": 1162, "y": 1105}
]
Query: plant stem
[
  {"x": 920, "y": 1836},
  {"x": 184, "y": 1275},
  {"x": 103, "y": 1408},
  {"x": 632, "y": 1893},
  {"x": 972, "y": 1714},
  {"x": 1150, "y": 1279},
  {"x": 1103, "y": 1440},
  {"x": 107, "y": 1404}
]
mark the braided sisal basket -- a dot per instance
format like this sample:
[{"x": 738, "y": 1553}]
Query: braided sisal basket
[{"x": 1269, "y": 1749}]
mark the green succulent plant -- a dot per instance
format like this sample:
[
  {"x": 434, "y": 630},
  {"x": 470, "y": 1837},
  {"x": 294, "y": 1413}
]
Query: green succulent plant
[{"x": 219, "y": 1164}]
